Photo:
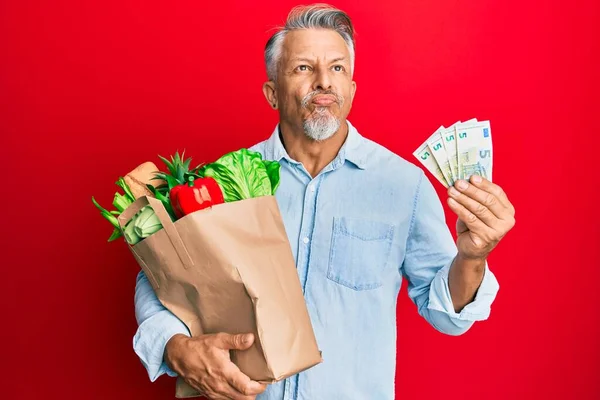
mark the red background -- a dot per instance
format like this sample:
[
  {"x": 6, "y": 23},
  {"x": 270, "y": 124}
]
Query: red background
[{"x": 89, "y": 91}]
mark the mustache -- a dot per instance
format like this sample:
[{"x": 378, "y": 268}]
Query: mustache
[{"x": 308, "y": 98}]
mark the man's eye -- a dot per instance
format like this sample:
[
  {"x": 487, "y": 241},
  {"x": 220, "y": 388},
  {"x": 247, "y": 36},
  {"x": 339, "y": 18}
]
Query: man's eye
[
  {"x": 302, "y": 68},
  {"x": 338, "y": 68}
]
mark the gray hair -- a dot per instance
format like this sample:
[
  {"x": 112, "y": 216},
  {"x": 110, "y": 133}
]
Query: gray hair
[{"x": 316, "y": 16}]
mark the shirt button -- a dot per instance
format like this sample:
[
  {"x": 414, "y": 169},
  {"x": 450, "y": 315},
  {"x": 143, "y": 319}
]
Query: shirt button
[
  {"x": 305, "y": 240},
  {"x": 312, "y": 188}
]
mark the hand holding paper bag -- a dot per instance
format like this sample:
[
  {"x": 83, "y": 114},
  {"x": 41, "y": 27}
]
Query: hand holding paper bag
[
  {"x": 223, "y": 269},
  {"x": 205, "y": 364}
]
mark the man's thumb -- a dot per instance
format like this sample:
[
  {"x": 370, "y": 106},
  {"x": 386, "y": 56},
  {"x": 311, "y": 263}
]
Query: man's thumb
[{"x": 241, "y": 341}]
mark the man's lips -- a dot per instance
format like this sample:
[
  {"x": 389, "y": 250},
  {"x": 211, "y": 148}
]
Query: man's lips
[{"x": 323, "y": 100}]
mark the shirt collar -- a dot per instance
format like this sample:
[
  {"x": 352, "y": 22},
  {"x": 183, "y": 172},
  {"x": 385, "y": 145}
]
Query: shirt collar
[{"x": 351, "y": 150}]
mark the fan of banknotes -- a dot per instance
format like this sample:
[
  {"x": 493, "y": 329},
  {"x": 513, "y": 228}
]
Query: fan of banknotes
[{"x": 458, "y": 152}]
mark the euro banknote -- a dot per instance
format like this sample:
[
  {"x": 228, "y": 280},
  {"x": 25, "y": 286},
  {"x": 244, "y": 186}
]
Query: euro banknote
[{"x": 458, "y": 151}]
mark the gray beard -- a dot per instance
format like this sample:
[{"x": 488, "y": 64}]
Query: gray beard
[{"x": 321, "y": 125}]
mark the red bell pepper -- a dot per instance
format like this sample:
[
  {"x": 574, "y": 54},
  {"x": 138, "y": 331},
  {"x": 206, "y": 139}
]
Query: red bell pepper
[{"x": 196, "y": 194}]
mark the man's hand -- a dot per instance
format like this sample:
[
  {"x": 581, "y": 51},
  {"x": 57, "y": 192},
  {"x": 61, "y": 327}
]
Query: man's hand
[
  {"x": 204, "y": 363},
  {"x": 484, "y": 216}
]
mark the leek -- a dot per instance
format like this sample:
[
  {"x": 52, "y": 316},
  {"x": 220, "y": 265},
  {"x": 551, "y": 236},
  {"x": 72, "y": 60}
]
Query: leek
[
  {"x": 129, "y": 233},
  {"x": 146, "y": 223}
]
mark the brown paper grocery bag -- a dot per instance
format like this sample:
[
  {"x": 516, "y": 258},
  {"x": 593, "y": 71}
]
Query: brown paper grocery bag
[{"x": 230, "y": 268}]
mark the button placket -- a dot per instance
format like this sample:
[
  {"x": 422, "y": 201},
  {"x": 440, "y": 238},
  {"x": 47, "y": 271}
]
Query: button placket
[{"x": 306, "y": 230}]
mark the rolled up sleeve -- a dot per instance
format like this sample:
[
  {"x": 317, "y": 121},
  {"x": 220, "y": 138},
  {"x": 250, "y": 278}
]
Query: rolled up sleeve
[
  {"x": 157, "y": 326},
  {"x": 430, "y": 251},
  {"x": 478, "y": 310}
]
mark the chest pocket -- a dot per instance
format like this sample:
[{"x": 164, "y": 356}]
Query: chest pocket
[{"x": 359, "y": 254}]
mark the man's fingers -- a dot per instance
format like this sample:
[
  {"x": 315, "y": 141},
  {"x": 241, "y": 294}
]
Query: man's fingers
[
  {"x": 241, "y": 341},
  {"x": 242, "y": 383},
  {"x": 462, "y": 189},
  {"x": 475, "y": 207},
  {"x": 229, "y": 382},
  {"x": 494, "y": 189},
  {"x": 461, "y": 227},
  {"x": 469, "y": 219},
  {"x": 229, "y": 392},
  {"x": 218, "y": 388}
]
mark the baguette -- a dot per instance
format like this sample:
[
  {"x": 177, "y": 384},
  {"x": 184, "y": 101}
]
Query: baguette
[{"x": 140, "y": 176}]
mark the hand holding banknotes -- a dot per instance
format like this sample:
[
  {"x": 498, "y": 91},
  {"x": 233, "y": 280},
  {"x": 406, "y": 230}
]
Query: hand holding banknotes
[
  {"x": 484, "y": 213},
  {"x": 210, "y": 369},
  {"x": 460, "y": 157}
]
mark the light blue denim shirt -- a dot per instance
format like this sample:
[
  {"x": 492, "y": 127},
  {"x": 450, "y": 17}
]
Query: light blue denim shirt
[{"x": 364, "y": 223}]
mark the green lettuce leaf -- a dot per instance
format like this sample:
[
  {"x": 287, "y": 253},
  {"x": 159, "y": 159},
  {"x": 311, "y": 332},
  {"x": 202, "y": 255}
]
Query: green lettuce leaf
[
  {"x": 243, "y": 174},
  {"x": 273, "y": 168}
]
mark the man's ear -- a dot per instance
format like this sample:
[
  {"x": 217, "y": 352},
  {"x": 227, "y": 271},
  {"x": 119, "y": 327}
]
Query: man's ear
[
  {"x": 353, "y": 90},
  {"x": 270, "y": 94}
]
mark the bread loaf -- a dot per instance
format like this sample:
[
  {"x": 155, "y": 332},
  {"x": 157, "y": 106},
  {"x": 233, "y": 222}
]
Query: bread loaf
[{"x": 140, "y": 177}]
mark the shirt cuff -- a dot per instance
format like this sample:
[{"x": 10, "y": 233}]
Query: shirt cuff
[
  {"x": 151, "y": 339},
  {"x": 478, "y": 310}
]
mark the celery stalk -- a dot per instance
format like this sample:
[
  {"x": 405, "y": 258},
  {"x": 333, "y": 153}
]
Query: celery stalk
[
  {"x": 121, "y": 183},
  {"x": 121, "y": 202}
]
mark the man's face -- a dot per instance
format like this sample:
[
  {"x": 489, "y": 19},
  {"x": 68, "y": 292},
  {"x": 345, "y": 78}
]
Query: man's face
[{"x": 314, "y": 88}]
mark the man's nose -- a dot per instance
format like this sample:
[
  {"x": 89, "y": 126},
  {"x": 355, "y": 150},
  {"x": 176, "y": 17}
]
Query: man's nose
[{"x": 322, "y": 79}]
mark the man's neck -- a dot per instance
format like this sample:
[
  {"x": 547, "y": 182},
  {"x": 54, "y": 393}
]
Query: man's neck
[{"x": 314, "y": 155}]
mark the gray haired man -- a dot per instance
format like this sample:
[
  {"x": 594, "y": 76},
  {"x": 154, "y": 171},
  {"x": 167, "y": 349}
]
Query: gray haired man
[{"x": 359, "y": 220}]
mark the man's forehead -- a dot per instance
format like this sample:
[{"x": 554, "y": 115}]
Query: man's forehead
[{"x": 314, "y": 43}]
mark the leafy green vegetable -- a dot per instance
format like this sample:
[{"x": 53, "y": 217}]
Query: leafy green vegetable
[
  {"x": 178, "y": 171},
  {"x": 106, "y": 214},
  {"x": 273, "y": 168},
  {"x": 123, "y": 185},
  {"x": 115, "y": 234},
  {"x": 143, "y": 224},
  {"x": 129, "y": 232},
  {"x": 121, "y": 202},
  {"x": 146, "y": 223},
  {"x": 163, "y": 199},
  {"x": 243, "y": 174}
]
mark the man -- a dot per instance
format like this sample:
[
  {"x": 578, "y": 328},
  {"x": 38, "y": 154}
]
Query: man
[{"x": 359, "y": 219}]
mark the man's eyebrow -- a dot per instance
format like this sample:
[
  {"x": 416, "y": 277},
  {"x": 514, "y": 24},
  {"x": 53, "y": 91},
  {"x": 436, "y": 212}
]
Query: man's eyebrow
[
  {"x": 295, "y": 59},
  {"x": 337, "y": 60},
  {"x": 302, "y": 59}
]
